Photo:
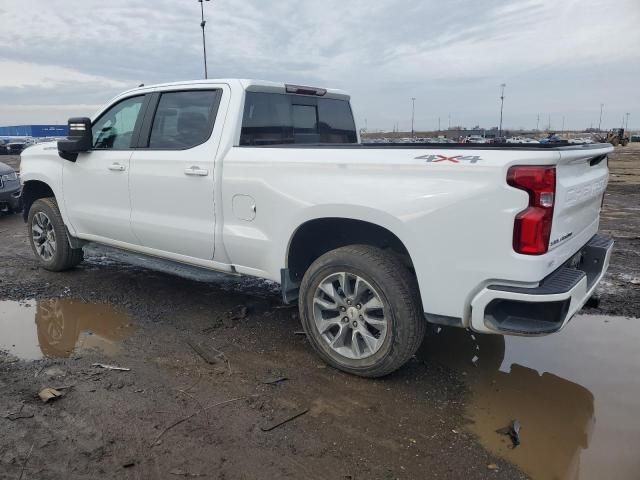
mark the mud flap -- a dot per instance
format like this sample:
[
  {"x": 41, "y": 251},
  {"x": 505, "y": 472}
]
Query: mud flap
[{"x": 290, "y": 288}]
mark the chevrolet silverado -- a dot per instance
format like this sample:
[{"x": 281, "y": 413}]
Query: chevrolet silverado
[{"x": 374, "y": 242}]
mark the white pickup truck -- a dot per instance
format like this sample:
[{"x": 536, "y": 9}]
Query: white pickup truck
[{"x": 373, "y": 241}]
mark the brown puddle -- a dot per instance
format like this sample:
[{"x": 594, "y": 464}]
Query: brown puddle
[
  {"x": 576, "y": 395},
  {"x": 57, "y": 327}
]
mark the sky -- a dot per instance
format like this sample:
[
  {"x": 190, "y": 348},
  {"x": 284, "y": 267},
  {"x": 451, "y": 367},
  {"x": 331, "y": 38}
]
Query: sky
[{"x": 558, "y": 58}]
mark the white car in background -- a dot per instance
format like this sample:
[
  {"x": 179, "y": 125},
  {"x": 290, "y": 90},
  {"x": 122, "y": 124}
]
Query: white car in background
[
  {"x": 521, "y": 140},
  {"x": 581, "y": 140},
  {"x": 475, "y": 139}
]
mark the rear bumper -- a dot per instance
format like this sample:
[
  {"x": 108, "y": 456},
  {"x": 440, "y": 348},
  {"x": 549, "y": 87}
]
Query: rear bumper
[{"x": 548, "y": 307}]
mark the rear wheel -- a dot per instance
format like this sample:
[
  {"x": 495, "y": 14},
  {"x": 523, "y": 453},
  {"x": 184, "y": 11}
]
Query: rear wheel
[
  {"x": 361, "y": 311},
  {"x": 48, "y": 237}
]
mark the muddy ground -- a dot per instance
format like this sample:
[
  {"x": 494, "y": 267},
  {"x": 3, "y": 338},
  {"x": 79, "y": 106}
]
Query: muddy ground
[{"x": 174, "y": 415}]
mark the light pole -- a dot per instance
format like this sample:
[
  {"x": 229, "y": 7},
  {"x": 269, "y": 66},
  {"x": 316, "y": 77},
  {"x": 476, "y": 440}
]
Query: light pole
[
  {"x": 600, "y": 121},
  {"x": 502, "y": 85},
  {"x": 203, "y": 22},
  {"x": 413, "y": 116},
  {"x": 626, "y": 123}
]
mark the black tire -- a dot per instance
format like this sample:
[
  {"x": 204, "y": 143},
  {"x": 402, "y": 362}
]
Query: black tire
[
  {"x": 398, "y": 292},
  {"x": 64, "y": 257}
]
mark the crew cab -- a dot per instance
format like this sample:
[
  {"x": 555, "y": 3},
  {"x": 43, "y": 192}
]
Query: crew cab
[{"x": 374, "y": 241}]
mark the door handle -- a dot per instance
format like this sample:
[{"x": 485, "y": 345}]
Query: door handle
[
  {"x": 197, "y": 171},
  {"x": 116, "y": 167}
]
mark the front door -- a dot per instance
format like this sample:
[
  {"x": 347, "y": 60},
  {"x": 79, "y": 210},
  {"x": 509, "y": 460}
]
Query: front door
[
  {"x": 172, "y": 177},
  {"x": 96, "y": 185}
]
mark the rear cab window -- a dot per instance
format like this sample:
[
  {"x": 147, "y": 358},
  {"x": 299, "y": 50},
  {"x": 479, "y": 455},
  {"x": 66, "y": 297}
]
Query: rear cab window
[
  {"x": 280, "y": 119},
  {"x": 182, "y": 119}
]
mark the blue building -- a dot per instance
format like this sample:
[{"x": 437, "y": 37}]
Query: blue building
[{"x": 34, "y": 131}]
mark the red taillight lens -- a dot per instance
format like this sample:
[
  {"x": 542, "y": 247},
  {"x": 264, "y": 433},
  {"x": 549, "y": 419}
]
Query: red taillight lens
[{"x": 532, "y": 227}]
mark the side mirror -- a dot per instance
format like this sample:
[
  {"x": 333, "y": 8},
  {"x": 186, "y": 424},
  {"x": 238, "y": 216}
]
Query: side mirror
[{"x": 79, "y": 140}]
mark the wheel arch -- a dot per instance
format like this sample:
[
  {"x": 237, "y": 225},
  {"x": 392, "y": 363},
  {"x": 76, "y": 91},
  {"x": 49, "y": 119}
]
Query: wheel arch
[
  {"x": 33, "y": 190},
  {"x": 310, "y": 241}
]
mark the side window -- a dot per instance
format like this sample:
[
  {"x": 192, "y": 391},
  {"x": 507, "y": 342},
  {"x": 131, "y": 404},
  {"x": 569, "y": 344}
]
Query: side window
[
  {"x": 277, "y": 119},
  {"x": 183, "y": 119},
  {"x": 266, "y": 120},
  {"x": 336, "y": 122},
  {"x": 114, "y": 129}
]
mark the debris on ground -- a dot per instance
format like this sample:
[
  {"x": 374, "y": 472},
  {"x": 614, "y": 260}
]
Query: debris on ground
[
  {"x": 52, "y": 372},
  {"x": 492, "y": 466},
  {"x": 182, "y": 473},
  {"x": 267, "y": 427},
  {"x": 211, "y": 355},
  {"x": 17, "y": 415},
  {"x": 24, "y": 465},
  {"x": 274, "y": 380},
  {"x": 512, "y": 431},
  {"x": 48, "y": 394},
  {"x": 238, "y": 313},
  {"x": 129, "y": 464},
  {"x": 111, "y": 367},
  {"x": 184, "y": 419}
]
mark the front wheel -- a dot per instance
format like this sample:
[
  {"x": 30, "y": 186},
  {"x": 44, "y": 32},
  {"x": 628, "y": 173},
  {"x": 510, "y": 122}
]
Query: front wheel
[
  {"x": 361, "y": 311},
  {"x": 48, "y": 237}
]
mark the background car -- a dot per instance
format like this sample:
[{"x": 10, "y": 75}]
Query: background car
[{"x": 10, "y": 201}]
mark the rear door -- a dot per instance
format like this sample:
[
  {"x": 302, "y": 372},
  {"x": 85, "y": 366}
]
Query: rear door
[
  {"x": 96, "y": 185},
  {"x": 172, "y": 173}
]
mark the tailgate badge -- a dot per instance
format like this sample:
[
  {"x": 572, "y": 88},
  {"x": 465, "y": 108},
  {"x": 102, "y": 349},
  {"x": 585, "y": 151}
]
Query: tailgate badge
[{"x": 454, "y": 159}]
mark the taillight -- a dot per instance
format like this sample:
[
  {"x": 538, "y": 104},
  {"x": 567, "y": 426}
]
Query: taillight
[{"x": 532, "y": 227}]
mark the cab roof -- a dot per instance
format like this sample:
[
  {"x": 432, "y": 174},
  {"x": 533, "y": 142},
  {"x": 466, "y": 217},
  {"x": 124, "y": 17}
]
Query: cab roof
[{"x": 252, "y": 85}]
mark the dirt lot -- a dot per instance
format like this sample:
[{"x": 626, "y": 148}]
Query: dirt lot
[{"x": 174, "y": 415}]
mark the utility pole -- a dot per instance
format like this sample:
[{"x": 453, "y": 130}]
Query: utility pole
[
  {"x": 562, "y": 131},
  {"x": 600, "y": 121},
  {"x": 449, "y": 121},
  {"x": 538, "y": 122},
  {"x": 438, "y": 124},
  {"x": 626, "y": 124},
  {"x": 413, "y": 116},
  {"x": 549, "y": 124},
  {"x": 203, "y": 22},
  {"x": 502, "y": 85}
]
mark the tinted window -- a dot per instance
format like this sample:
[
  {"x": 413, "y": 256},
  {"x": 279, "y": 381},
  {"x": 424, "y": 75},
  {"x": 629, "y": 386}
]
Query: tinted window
[
  {"x": 183, "y": 119},
  {"x": 273, "y": 119},
  {"x": 114, "y": 129}
]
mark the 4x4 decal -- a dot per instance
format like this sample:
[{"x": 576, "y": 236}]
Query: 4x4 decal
[{"x": 454, "y": 159}]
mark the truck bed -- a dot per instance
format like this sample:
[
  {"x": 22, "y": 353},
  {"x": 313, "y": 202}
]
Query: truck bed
[{"x": 556, "y": 146}]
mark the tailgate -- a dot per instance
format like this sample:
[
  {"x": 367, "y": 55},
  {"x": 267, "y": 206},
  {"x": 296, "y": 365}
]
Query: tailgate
[{"x": 581, "y": 180}]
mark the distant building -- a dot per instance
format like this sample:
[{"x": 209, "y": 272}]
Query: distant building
[{"x": 38, "y": 131}]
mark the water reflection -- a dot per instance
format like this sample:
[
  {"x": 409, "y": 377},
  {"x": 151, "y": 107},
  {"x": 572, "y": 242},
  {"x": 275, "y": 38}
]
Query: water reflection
[
  {"x": 557, "y": 415},
  {"x": 60, "y": 326}
]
